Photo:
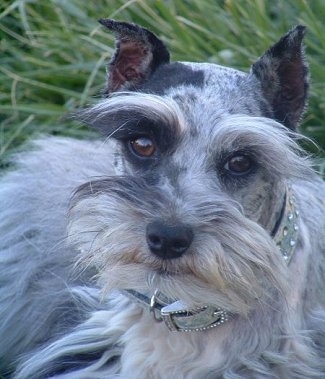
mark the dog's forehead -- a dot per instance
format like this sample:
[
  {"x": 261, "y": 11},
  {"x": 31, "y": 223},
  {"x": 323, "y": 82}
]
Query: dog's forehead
[
  {"x": 218, "y": 88},
  {"x": 214, "y": 74},
  {"x": 198, "y": 75}
]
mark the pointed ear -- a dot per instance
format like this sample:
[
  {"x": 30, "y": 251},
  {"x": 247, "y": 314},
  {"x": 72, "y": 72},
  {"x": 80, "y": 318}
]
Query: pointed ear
[
  {"x": 138, "y": 53},
  {"x": 283, "y": 74}
]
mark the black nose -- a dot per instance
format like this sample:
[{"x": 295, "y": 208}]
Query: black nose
[{"x": 168, "y": 241}]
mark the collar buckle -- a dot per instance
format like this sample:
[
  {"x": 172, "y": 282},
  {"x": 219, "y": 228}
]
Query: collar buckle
[
  {"x": 183, "y": 320},
  {"x": 178, "y": 317}
]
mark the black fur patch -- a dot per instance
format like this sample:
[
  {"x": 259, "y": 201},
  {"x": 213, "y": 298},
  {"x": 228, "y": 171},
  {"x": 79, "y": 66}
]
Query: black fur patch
[{"x": 171, "y": 76}]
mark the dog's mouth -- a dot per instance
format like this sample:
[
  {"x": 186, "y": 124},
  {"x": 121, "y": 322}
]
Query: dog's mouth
[
  {"x": 166, "y": 273},
  {"x": 166, "y": 268}
]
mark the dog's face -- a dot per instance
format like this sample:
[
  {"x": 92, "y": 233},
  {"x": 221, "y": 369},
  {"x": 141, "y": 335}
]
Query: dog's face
[{"x": 202, "y": 166}]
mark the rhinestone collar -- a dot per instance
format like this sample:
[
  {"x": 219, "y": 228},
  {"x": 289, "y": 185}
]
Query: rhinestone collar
[
  {"x": 177, "y": 316},
  {"x": 181, "y": 318},
  {"x": 286, "y": 234}
]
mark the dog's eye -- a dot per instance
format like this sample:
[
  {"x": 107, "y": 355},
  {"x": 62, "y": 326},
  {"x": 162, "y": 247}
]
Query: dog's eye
[
  {"x": 143, "y": 147},
  {"x": 239, "y": 164}
]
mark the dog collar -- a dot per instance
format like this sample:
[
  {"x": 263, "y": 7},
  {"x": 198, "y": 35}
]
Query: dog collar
[
  {"x": 181, "y": 318},
  {"x": 177, "y": 315},
  {"x": 286, "y": 231}
]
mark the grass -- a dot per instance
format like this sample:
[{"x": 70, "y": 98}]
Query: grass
[{"x": 53, "y": 53}]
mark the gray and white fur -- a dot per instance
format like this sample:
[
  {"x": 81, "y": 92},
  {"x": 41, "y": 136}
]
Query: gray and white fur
[{"x": 190, "y": 149}]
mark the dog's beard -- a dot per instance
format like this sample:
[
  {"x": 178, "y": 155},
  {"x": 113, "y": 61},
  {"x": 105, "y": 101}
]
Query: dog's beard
[
  {"x": 232, "y": 264},
  {"x": 237, "y": 287}
]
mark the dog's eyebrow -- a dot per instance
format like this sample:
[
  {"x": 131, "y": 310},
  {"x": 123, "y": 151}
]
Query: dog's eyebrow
[
  {"x": 276, "y": 146},
  {"x": 138, "y": 124},
  {"x": 125, "y": 110}
]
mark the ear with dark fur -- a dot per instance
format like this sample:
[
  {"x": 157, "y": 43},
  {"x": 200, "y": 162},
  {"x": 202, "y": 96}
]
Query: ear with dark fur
[
  {"x": 138, "y": 53},
  {"x": 283, "y": 74}
]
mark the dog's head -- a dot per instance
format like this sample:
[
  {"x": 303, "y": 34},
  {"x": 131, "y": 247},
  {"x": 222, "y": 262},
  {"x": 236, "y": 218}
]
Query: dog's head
[{"x": 203, "y": 154}]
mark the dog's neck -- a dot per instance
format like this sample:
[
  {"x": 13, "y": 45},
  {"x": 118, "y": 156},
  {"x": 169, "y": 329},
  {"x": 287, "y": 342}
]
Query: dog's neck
[{"x": 179, "y": 317}]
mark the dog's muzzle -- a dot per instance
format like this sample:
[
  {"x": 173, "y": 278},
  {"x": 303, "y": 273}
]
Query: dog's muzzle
[{"x": 181, "y": 318}]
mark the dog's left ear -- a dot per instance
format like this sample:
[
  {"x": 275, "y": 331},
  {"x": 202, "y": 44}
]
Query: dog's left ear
[
  {"x": 283, "y": 74},
  {"x": 138, "y": 53}
]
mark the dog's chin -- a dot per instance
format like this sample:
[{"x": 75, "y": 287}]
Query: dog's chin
[{"x": 193, "y": 291}]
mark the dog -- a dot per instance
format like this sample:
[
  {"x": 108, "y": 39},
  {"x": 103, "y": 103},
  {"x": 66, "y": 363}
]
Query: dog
[{"x": 187, "y": 242}]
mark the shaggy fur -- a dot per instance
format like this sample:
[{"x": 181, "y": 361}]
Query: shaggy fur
[{"x": 74, "y": 218}]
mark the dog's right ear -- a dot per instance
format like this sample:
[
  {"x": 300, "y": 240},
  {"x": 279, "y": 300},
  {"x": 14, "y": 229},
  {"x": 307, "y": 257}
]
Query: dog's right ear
[{"x": 138, "y": 53}]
